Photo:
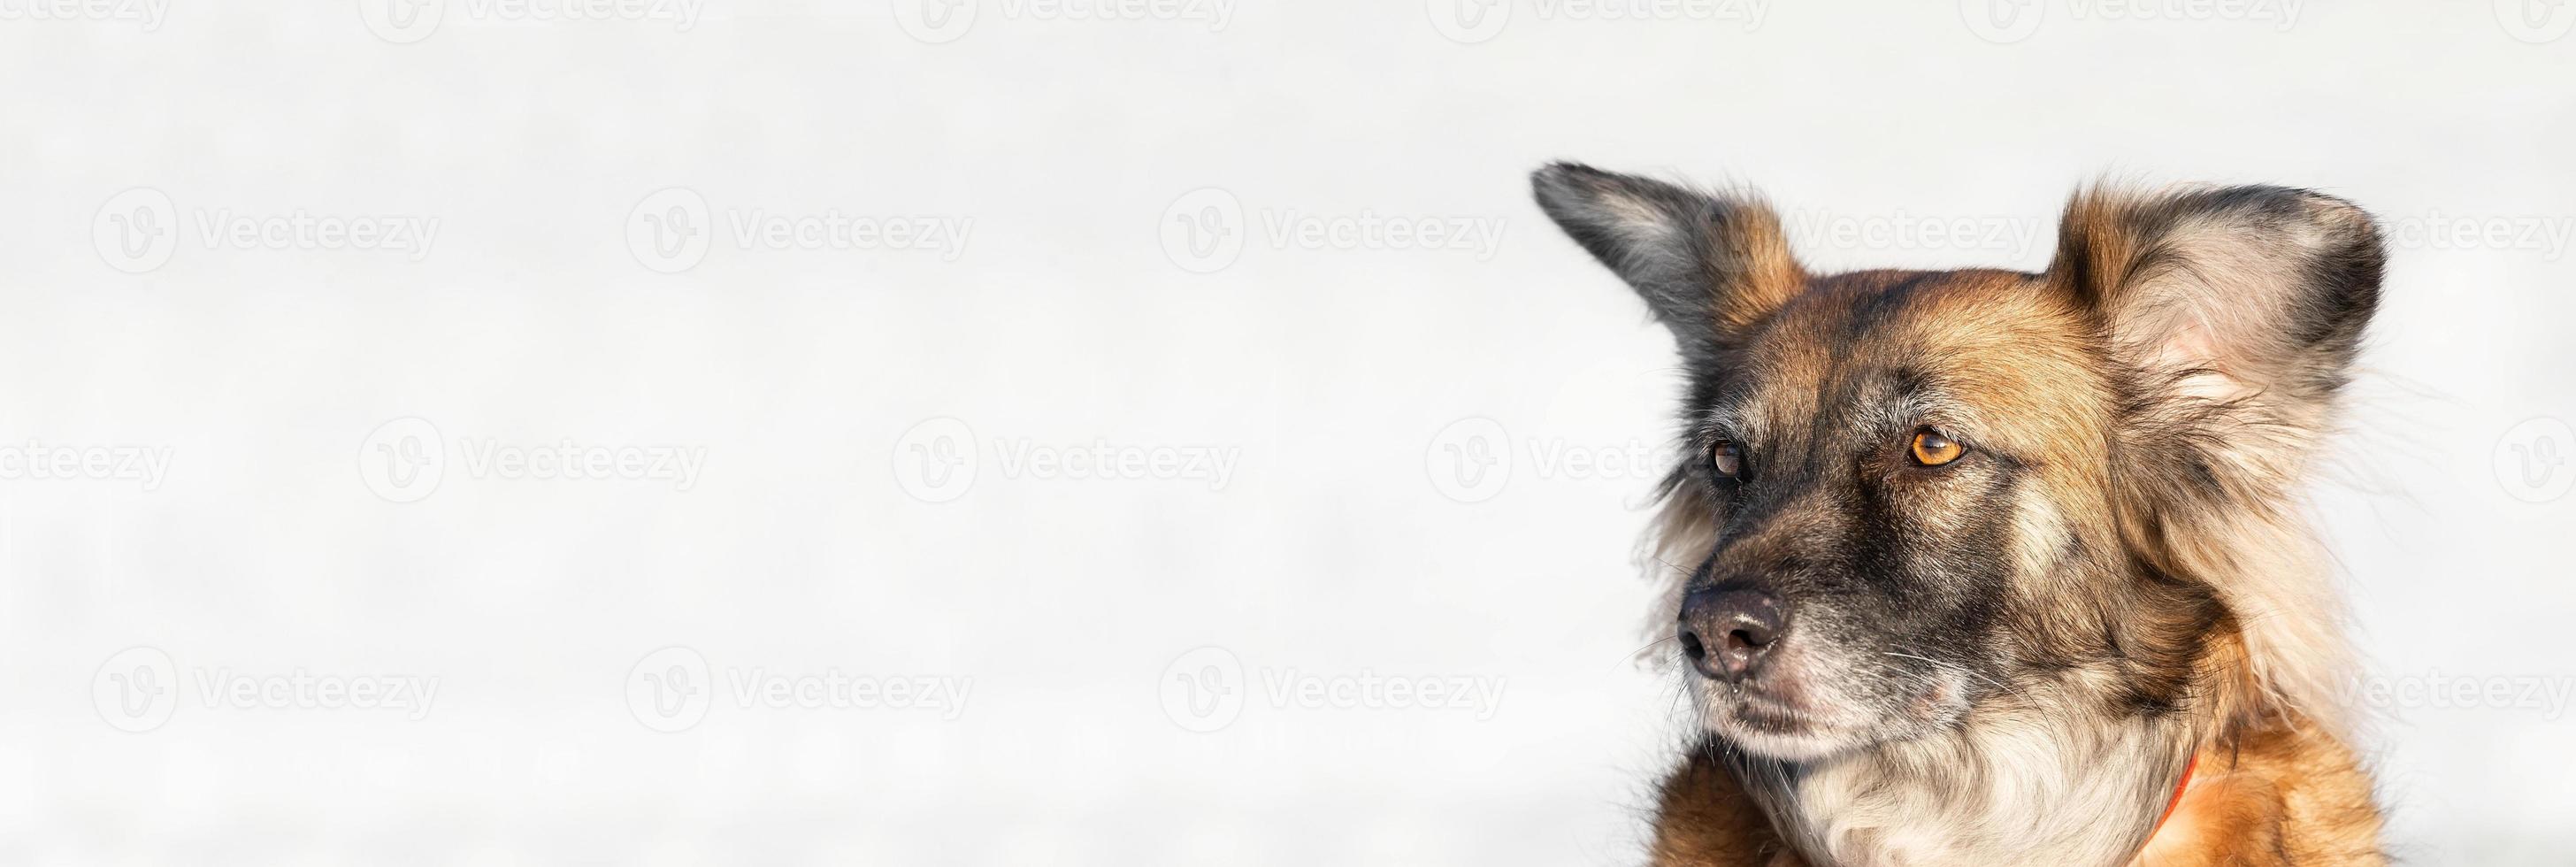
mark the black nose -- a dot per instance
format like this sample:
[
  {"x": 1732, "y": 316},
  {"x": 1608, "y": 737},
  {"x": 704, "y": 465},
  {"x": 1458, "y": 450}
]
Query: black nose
[{"x": 1725, "y": 632}]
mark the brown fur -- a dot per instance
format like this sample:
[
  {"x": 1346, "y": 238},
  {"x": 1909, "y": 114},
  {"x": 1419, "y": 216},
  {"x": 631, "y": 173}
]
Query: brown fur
[
  {"x": 2288, "y": 795},
  {"x": 2268, "y": 792},
  {"x": 2126, "y": 569}
]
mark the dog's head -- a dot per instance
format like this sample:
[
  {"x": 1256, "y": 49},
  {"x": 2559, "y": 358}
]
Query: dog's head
[{"x": 1909, "y": 495}]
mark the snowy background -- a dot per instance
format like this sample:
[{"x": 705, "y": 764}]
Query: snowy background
[{"x": 1091, "y": 432}]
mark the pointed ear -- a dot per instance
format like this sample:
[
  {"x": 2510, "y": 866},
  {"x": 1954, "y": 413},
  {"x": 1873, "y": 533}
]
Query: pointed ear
[
  {"x": 2225, "y": 293},
  {"x": 2237, "y": 311},
  {"x": 1707, "y": 265}
]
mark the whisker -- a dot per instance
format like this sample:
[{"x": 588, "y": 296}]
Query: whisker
[{"x": 1651, "y": 644}]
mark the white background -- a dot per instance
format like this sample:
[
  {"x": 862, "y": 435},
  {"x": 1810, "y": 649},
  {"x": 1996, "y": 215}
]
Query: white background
[{"x": 814, "y": 539}]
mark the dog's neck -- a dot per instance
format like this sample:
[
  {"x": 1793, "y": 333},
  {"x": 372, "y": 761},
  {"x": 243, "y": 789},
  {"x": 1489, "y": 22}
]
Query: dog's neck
[{"x": 2045, "y": 777}]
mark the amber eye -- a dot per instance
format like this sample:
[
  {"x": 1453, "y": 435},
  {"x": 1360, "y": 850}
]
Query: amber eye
[
  {"x": 1931, "y": 449},
  {"x": 1727, "y": 459}
]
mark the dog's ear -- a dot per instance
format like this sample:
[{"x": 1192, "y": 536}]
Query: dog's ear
[
  {"x": 1707, "y": 265},
  {"x": 2236, "y": 312},
  {"x": 2224, "y": 293}
]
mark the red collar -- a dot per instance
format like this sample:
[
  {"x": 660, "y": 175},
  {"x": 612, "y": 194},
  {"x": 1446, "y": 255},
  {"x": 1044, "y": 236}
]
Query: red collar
[{"x": 2176, "y": 801}]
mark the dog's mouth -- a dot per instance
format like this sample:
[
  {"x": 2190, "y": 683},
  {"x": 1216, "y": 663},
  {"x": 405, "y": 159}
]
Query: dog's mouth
[
  {"x": 1812, "y": 712},
  {"x": 1766, "y": 725}
]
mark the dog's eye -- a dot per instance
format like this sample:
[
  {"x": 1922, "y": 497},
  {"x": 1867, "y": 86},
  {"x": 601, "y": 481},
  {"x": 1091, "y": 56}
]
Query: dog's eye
[
  {"x": 1932, "y": 449},
  {"x": 1727, "y": 459}
]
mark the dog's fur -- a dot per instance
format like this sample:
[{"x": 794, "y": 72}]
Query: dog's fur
[{"x": 2010, "y": 658}]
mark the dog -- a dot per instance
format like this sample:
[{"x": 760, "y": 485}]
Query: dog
[{"x": 1986, "y": 567}]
